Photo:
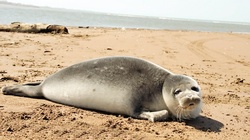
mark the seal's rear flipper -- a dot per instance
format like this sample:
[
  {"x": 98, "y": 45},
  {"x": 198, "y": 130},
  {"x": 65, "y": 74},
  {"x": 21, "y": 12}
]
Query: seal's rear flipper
[{"x": 28, "y": 90}]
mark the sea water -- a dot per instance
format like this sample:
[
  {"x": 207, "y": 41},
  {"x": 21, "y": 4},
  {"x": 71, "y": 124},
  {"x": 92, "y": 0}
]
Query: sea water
[{"x": 31, "y": 14}]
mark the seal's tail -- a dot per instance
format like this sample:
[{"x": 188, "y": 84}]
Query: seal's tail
[{"x": 28, "y": 90}]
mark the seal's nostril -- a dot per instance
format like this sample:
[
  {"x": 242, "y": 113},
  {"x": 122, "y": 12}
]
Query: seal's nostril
[
  {"x": 197, "y": 99},
  {"x": 193, "y": 101}
]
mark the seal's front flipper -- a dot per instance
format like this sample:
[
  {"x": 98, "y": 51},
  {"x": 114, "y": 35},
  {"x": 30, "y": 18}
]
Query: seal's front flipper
[
  {"x": 155, "y": 116},
  {"x": 29, "y": 90}
]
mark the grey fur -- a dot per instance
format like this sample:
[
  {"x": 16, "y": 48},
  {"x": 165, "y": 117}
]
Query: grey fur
[{"x": 119, "y": 85}]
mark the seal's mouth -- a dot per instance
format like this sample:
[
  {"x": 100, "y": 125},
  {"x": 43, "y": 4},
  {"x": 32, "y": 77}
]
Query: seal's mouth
[
  {"x": 188, "y": 108},
  {"x": 187, "y": 112},
  {"x": 192, "y": 104}
]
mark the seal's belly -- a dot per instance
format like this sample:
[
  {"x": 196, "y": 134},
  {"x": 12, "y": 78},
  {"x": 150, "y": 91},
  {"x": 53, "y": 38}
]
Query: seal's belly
[{"x": 103, "y": 97}]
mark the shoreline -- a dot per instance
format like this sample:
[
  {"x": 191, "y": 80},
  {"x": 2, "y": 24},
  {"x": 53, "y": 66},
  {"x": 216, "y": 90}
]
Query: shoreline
[
  {"x": 124, "y": 28},
  {"x": 93, "y": 19}
]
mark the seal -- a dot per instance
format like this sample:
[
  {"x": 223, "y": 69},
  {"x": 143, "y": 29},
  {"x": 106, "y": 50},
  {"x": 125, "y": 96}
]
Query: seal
[
  {"x": 57, "y": 29},
  {"x": 119, "y": 85}
]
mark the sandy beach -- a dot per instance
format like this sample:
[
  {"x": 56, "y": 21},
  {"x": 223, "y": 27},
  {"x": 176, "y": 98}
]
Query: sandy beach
[{"x": 220, "y": 62}]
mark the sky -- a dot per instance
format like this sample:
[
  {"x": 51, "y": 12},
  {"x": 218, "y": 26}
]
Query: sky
[{"x": 214, "y": 10}]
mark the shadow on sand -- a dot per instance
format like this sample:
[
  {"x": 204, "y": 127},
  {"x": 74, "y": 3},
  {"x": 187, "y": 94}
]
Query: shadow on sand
[{"x": 205, "y": 124}]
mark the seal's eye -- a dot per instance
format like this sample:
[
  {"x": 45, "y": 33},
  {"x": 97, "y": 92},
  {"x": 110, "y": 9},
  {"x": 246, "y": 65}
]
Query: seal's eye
[
  {"x": 195, "y": 89},
  {"x": 177, "y": 91}
]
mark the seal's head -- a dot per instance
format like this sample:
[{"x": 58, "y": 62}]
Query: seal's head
[{"x": 182, "y": 96}]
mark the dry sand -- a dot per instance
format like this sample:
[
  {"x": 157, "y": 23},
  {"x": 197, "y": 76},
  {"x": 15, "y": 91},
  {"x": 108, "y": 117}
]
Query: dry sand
[{"x": 220, "y": 62}]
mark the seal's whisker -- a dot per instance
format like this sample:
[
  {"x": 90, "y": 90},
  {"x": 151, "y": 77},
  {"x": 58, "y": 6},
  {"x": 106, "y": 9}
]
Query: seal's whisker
[{"x": 178, "y": 111}]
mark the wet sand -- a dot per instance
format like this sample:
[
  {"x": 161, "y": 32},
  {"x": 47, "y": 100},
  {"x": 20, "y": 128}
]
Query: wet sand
[{"x": 220, "y": 62}]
